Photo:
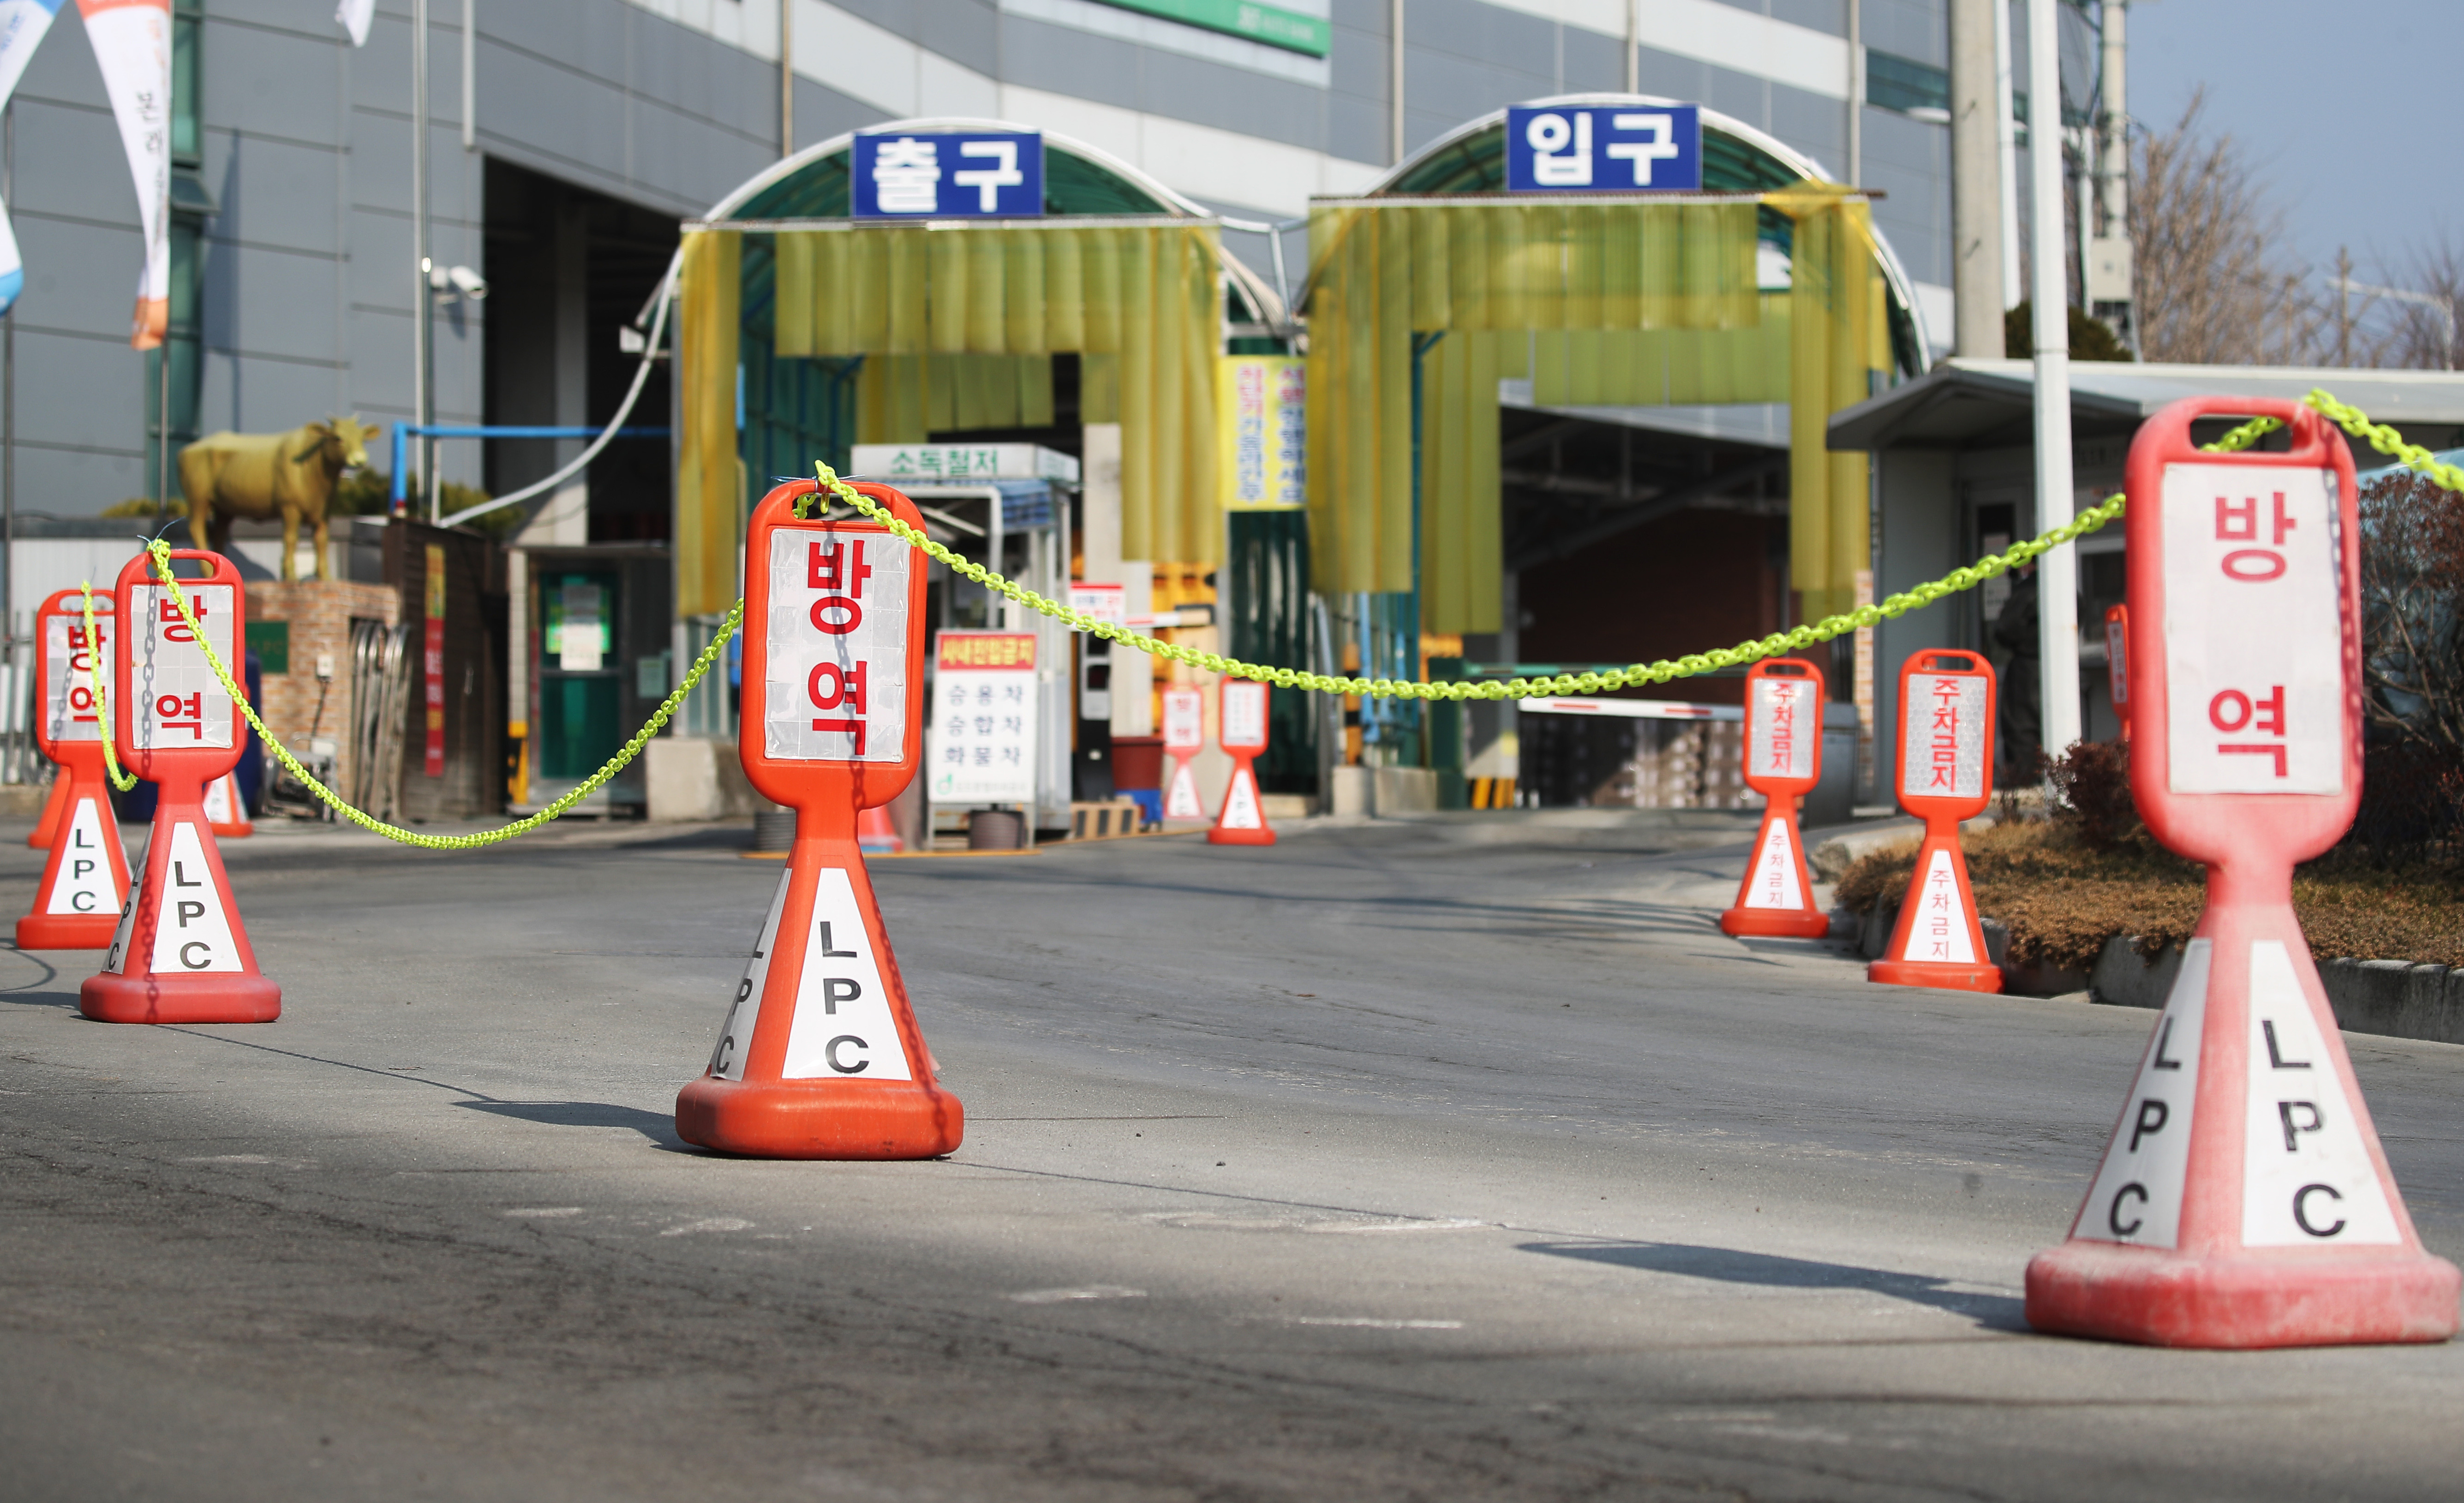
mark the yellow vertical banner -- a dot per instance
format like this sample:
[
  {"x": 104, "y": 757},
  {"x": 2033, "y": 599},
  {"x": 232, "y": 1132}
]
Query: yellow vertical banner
[
  {"x": 1262, "y": 415},
  {"x": 709, "y": 482}
]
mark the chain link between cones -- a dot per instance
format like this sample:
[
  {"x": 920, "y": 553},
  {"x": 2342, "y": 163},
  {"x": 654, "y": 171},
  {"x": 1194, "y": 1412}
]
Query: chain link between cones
[{"x": 2385, "y": 440}]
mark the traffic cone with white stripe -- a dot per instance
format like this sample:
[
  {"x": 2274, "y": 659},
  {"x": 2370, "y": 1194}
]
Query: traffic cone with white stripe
[
  {"x": 1783, "y": 757},
  {"x": 820, "y": 1056},
  {"x": 2244, "y": 1200},
  {"x": 225, "y": 811},
  {"x": 85, "y": 881},
  {"x": 57, "y": 800},
  {"x": 181, "y": 953}
]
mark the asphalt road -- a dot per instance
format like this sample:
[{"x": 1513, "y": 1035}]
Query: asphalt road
[{"x": 1409, "y": 1161}]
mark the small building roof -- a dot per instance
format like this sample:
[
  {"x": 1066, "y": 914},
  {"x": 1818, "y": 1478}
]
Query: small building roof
[{"x": 1977, "y": 404}]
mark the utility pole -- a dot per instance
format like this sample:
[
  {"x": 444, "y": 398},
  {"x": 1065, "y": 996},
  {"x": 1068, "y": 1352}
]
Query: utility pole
[
  {"x": 1975, "y": 183},
  {"x": 2057, "y": 570},
  {"x": 2106, "y": 281},
  {"x": 2006, "y": 134},
  {"x": 1632, "y": 46},
  {"x": 1395, "y": 74},
  {"x": 423, "y": 333}
]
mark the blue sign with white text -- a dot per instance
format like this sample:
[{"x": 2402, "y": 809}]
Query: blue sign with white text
[
  {"x": 974, "y": 174},
  {"x": 1610, "y": 148}
]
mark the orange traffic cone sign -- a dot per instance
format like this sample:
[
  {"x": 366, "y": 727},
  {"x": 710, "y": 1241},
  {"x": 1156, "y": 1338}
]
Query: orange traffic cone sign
[
  {"x": 1782, "y": 763},
  {"x": 1185, "y": 733},
  {"x": 85, "y": 883},
  {"x": 1241, "y": 731},
  {"x": 1944, "y": 776},
  {"x": 54, "y": 802},
  {"x": 225, "y": 811},
  {"x": 2244, "y": 1200},
  {"x": 180, "y": 954},
  {"x": 820, "y": 1056}
]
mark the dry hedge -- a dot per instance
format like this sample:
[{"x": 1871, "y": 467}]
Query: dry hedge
[{"x": 2062, "y": 898}]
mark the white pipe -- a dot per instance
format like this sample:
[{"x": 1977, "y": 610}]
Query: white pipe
[
  {"x": 2057, "y": 571},
  {"x": 624, "y": 410},
  {"x": 2006, "y": 134}
]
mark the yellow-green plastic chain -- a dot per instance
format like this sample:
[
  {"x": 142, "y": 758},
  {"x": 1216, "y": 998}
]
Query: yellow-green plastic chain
[
  {"x": 162, "y": 551},
  {"x": 123, "y": 781},
  {"x": 1660, "y": 672},
  {"x": 2385, "y": 440}
]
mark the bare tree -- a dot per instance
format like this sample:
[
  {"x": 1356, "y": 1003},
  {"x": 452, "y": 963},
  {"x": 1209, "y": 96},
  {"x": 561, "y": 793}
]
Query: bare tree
[
  {"x": 2425, "y": 306},
  {"x": 2213, "y": 288}
]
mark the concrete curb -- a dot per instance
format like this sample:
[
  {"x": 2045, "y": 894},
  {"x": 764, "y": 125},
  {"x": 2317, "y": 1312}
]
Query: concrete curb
[{"x": 2393, "y": 998}]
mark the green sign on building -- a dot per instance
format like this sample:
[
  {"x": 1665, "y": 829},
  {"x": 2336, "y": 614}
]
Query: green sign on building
[{"x": 1273, "y": 25}]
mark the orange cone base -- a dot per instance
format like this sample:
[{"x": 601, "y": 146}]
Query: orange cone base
[
  {"x": 1220, "y": 836},
  {"x": 1934, "y": 973},
  {"x": 67, "y": 930},
  {"x": 821, "y": 1119},
  {"x": 46, "y": 827},
  {"x": 231, "y": 831},
  {"x": 2246, "y": 1300},
  {"x": 229, "y": 997},
  {"x": 1775, "y": 924}
]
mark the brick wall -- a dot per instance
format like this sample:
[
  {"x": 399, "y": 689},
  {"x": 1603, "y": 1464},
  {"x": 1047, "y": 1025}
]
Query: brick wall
[{"x": 320, "y": 612}]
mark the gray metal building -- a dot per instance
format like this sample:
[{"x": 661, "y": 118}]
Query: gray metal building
[{"x": 579, "y": 131}]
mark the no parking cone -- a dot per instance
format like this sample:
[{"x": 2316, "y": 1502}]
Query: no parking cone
[
  {"x": 1945, "y": 767},
  {"x": 1782, "y": 763},
  {"x": 225, "y": 811},
  {"x": 1241, "y": 732},
  {"x": 820, "y": 1056},
  {"x": 1185, "y": 733},
  {"x": 2244, "y": 1200},
  {"x": 85, "y": 881},
  {"x": 180, "y": 953}
]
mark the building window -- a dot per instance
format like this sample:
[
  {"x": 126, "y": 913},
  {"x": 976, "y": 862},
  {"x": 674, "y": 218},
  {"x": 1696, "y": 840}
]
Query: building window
[{"x": 1905, "y": 84}]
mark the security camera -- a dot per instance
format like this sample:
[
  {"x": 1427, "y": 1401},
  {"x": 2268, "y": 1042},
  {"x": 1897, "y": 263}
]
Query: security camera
[{"x": 458, "y": 281}]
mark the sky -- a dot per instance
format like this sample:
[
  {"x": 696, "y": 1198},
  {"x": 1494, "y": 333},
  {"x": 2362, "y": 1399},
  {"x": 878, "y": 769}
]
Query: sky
[{"x": 2335, "y": 103}]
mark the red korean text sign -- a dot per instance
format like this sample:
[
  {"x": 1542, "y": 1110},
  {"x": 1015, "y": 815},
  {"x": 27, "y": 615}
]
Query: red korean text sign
[
  {"x": 1783, "y": 762},
  {"x": 833, "y": 646},
  {"x": 71, "y": 664},
  {"x": 1944, "y": 775},
  {"x": 175, "y": 722}
]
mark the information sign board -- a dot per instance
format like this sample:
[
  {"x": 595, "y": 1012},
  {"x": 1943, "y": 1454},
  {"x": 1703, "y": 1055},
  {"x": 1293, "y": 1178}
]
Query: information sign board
[
  {"x": 984, "y": 719},
  {"x": 902, "y": 174},
  {"x": 1621, "y": 148}
]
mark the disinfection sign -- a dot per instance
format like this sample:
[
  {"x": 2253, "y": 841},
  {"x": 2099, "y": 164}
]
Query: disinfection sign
[
  {"x": 818, "y": 1056},
  {"x": 1578, "y": 148},
  {"x": 1242, "y": 706},
  {"x": 1185, "y": 735},
  {"x": 2243, "y": 1199},
  {"x": 85, "y": 878},
  {"x": 953, "y": 175},
  {"x": 982, "y": 744},
  {"x": 180, "y": 953}
]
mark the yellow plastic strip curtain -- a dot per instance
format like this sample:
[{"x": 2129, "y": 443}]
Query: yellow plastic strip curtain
[
  {"x": 1145, "y": 295},
  {"x": 1460, "y": 585},
  {"x": 1663, "y": 367},
  {"x": 710, "y": 487},
  {"x": 1380, "y": 274},
  {"x": 1833, "y": 347}
]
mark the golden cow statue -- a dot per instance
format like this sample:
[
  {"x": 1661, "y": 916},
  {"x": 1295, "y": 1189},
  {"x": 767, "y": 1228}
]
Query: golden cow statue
[{"x": 255, "y": 476}]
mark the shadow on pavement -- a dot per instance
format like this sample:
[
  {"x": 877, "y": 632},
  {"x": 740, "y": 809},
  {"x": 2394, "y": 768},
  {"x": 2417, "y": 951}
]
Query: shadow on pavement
[
  {"x": 1728, "y": 1264},
  {"x": 657, "y": 1126}
]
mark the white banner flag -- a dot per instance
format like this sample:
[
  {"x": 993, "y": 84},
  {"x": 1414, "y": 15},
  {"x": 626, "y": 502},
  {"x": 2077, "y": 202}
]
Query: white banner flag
[
  {"x": 22, "y": 25},
  {"x": 353, "y": 16},
  {"x": 132, "y": 45}
]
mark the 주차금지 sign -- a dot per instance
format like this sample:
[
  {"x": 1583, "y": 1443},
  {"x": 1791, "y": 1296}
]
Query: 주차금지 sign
[
  {"x": 1263, "y": 413},
  {"x": 949, "y": 175},
  {"x": 1603, "y": 149}
]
